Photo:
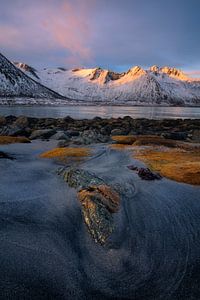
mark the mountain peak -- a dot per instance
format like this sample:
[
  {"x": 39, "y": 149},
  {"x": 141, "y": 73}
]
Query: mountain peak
[
  {"x": 26, "y": 68},
  {"x": 136, "y": 70},
  {"x": 154, "y": 68},
  {"x": 173, "y": 72}
]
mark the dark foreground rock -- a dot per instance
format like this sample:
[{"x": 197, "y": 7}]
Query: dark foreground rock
[
  {"x": 145, "y": 173},
  {"x": 5, "y": 155},
  {"x": 99, "y": 201},
  {"x": 42, "y": 134},
  {"x": 79, "y": 179}
]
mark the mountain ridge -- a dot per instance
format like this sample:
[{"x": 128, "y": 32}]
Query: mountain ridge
[
  {"x": 137, "y": 86},
  {"x": 15, "y": 83}
]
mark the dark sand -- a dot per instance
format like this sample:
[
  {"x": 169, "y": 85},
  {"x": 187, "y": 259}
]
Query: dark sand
[{"x": 47, "y": 253}]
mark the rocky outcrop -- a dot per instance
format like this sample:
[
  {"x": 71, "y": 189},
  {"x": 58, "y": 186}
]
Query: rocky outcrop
[
  {"x": 98, "y": 130},
  {"x": 98, "y": 200}
]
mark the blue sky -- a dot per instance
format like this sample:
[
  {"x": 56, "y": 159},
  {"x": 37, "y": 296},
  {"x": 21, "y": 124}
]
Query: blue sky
[{"x": 108, "y": 33}]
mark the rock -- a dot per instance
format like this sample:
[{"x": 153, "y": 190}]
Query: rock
[
  {"x": 88, "y": 137},
  {"x": 63, "y": 143},
  {"x": 2, "y": 121},
  {"x": 179, "y": 136},
  {"x": 42, "y": 134},
  {"x": 50, "y": 122},
  {"x": 79, "y": 179},
  {"x": 14, "y": 130},
  {"x": 195, "y": 136},
  {"x": 6, "y": 140},
  {"x": 98, "y": 219},
  {"x": 10, "y": 119},
  {"x": 5, "y": 155},
  {"x": 104, "y": 194},
  {"x": 72, "y": 132},
  {"x": 60, "y": 135},
  {"x": 99, "y": 201},
  {"x": 145, "y": 173},
  {"x": 118, "y": 131},
  {"x": 68, "y": 119},
  {"x": 21, "y": 122}
]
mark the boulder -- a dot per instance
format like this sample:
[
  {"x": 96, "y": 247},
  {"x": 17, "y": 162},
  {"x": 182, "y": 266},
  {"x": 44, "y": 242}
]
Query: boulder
[
  {"x": 63, "y": 143},
  {"x": 60, "y": 135},
  {"x": 15, "y": 130},
  {"x": 21, "y": 122},
  {"x": 72, "y": 132},
  {"x": 79, "y": 178},
  {"x": 98, "y": 219},
  {"x": 118, "y": 131},
  {"x": 98, "y": 201},
  {"x": 179, "y": 136},
  {"x": 145, "y": 173},
  {"x": 2, "y": 121},
  {"x": 195, "y": 136},
  {"x": 42, "y": 134},
  {"x": 5, "y": 155},
  {"x": 88, "y": 137},
  {"x": 103, "y": 194}
]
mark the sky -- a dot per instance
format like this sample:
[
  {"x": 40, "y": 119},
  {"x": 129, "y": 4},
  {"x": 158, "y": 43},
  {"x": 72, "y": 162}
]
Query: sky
[{"x": 112, "y": 34}]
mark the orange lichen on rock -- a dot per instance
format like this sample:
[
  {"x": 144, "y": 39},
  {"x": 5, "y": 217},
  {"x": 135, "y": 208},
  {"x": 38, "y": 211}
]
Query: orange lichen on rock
[
  {"x": 99, "y": 202},
  {"x": 66, "y": 152},
  {"x": 123, "y": 142},
  {"x": 124, "y": 139},
  {"x": 142, "y": 140},
  {"x": 175, "y": 164},
  {"x": 103, "y": 194},
  {"x": 120, "y": 146},
  {"x": 154, "y": 140},
  {"x": 13, "y": 140}
]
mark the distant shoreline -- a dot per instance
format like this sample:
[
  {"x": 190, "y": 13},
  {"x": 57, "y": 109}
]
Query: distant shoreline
[{"x": 83, "y": 103}]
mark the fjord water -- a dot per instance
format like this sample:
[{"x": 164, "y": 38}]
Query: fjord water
[{"x": 89, "y": 112}]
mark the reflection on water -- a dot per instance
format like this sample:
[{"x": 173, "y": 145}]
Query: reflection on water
[{"x": 89, "y": 112}]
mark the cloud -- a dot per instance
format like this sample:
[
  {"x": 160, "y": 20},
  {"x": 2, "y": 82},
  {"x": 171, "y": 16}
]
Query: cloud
[
  {"x": 112, "y": 34},
  {"x": 9, "y": 35},
  {"x": 61, "y": 25},
  {"x": 195, "y": 74},
  {"x": 71, "y": 30}
]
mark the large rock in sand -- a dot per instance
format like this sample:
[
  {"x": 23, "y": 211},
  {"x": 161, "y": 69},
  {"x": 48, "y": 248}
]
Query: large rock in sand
[{"x": 99, "y": 201}]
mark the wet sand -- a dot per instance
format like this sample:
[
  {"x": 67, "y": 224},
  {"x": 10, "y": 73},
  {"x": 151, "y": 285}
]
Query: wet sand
[{"x": 47, "y": 253}]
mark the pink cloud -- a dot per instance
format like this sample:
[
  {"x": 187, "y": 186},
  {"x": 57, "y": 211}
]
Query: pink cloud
[
  {"x": 9, "y": 35},
  {"x": 56, "y": 25},
  {"x": 194, "y": 74},
  {"x": 72, "y": 29}
]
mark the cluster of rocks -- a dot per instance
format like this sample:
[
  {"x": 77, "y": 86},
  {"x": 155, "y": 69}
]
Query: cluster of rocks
[
  {"x": 98, "y": 201},
  {"x": 67, "y": 130}
]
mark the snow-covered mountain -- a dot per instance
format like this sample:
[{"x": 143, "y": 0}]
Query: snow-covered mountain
[
  {"x": 15, "y": 83},
  {"x": 155, "y": 86}
]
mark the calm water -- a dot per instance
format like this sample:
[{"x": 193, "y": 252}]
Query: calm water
[{"x": 89, "y": 112}]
